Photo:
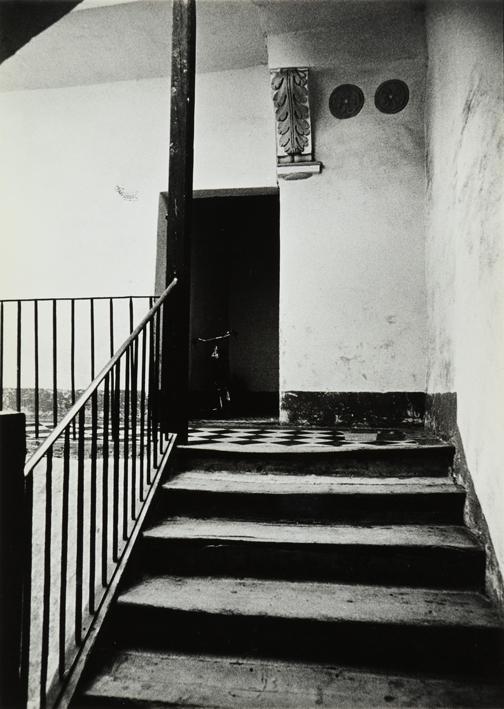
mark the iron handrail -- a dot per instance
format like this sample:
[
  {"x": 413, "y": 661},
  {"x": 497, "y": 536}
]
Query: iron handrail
[
  {"x": 70, "y": 297},
  {"x": 87, "y": 394}
]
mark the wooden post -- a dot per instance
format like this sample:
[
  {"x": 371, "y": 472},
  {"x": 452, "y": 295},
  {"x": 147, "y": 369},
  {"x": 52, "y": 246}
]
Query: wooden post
[
  {"x": 13, "y": 682},
  {"x": 175, "y": 356}
]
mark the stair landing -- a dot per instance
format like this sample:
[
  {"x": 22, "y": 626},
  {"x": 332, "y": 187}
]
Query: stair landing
[{"x": 222, "y": 435}]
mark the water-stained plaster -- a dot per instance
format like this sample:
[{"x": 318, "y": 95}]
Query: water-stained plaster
[{"x": 465, "y": 236}]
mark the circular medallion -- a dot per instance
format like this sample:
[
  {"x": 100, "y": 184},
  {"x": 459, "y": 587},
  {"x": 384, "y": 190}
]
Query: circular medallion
[
  {"x": 391, "y": 96},
  {"x": 346, "y": 101}
]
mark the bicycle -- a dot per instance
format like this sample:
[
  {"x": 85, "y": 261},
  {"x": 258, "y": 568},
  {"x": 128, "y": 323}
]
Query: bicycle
[{"x": 220, "y": 372}]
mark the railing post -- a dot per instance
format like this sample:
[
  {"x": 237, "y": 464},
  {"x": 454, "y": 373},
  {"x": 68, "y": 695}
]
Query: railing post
[
  {"x": 173, "y": 404},
  {"x": 13, "y": 551}
]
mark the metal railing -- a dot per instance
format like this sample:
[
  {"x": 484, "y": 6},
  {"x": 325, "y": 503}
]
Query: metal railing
[
  {"x": 49, "y": 348},
  {"x": 85, "y": 499}
]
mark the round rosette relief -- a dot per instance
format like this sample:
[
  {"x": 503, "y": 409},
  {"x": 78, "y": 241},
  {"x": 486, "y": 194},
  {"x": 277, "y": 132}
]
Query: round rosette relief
[
  {"x": 346, "y": 101},
  {"x": 392, "y": 96}
]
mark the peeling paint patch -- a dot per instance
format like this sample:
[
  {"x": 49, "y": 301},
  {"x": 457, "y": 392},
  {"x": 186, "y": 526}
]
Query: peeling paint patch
[{"x": 125, "y": 194}]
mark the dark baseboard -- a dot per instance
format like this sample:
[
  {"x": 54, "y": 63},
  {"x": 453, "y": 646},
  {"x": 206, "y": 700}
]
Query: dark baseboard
[
  {"x": 441, "y": 419},
  {"x": 393, "y": 408}
]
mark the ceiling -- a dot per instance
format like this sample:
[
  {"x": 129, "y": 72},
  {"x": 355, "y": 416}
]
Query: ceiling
[{"x": 107, "y": 40}]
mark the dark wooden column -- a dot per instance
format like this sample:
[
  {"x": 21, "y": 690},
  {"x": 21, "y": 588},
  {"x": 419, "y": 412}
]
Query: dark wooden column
[{"x": 175, "y": 370}]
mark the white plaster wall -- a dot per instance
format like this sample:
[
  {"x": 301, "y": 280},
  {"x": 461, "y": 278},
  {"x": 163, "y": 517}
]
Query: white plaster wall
[
  {"x": 465, "y": 246},
  {"x": 234, "y": 143},
  {"x": 66, "y": 230},
  {"x": 353, "y": 310}
]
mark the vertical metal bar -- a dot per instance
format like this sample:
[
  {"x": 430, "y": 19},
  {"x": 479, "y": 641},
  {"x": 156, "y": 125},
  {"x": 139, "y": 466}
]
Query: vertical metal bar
[
  {"x": 126, "y": 444},
  {"x": 111, "y": 326},
  {"x": 1, "y": 352},
  {"x": 36, "y": 355},
  {"x": 134, "y": 421},
  {"x": 156, "y": 370},
  {"x": 105, "y": 463},
  {"x": 18, "y": 357},
  {"x": 72, "y": 357},
  {"x": 149, "y": 401},
  {"x": 92, "y": 504},
  {"x": 115, "y": 437},
  {"x": 72, "y": 348},
  {"x": 79, "y": 557},
  {"x": 46, "y": 594},
  {"x": 92, "y": 333},
  {"x": 142, "y": 415},
  {"x": 55, "y": 360},
  {"x": 131, "y": 322},
  {"x": 26, "y": 515},
  {"x": 64, "y": 554}
]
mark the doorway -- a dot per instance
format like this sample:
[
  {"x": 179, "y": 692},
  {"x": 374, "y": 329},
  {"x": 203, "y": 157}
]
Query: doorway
[{"x": 235, "y": 287}]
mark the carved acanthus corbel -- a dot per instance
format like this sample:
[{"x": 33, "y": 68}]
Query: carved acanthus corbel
[{"x": 293, "y": 123}]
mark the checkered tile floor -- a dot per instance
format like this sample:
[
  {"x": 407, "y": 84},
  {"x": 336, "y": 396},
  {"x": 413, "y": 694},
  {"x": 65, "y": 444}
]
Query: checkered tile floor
[
  {"x": 270, "y": 436},
  {"x": 275, "y": 437}
]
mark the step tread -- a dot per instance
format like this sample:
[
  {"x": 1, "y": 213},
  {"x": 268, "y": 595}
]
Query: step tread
[
  {"x": 282, "y": 484},
  {"x": 222, "y": 530},
  {"x": 201, "y": 680},
  {"x": 313, "y": 601}
]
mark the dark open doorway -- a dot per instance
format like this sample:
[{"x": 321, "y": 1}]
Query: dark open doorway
[{"x": 235, "y": 286}]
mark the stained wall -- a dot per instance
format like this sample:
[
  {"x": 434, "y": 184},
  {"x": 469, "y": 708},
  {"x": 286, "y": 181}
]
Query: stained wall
[{"x": 465, "y": 249}]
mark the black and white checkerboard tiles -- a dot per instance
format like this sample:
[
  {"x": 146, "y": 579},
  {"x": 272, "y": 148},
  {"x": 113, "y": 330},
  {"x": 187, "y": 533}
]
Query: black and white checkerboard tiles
[
  {"x": 215, "y": 435},
  {"x": 265, "y": 436}
]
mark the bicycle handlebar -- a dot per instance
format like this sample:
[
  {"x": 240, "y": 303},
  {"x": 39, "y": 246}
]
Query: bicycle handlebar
[{"x": 225, "y": 336}]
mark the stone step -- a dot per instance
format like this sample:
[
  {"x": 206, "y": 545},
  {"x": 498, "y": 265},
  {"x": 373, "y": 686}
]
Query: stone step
[
  {"x": 135, "y": 678},
  {"x": 393, "y": 627},
  {"x": 417, "y": 555},
  {"x": 321, "y": 498},
  {"x": 398, "y": 460}
]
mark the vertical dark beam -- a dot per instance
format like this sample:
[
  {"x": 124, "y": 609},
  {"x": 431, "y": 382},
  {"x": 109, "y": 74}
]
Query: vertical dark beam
[
  {"x": 13, "y": 552},
  {"x": 175, "y": 357}
]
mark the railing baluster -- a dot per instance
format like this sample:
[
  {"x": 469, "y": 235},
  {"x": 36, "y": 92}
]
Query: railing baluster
[
  {"x": 134, "y": 404},
  {"x": 126, "y": 403},
  {"x": 157, "y": 365},
  {"x": 142, "y": 415},
  {"x": 1, "y": 352},
  {"x": 111, "y": 326},
  {"x": 72, "y": 356},
  {"x": 64, "y": 553},
  {"x": 92, "y": 505},
  {"x": 150, "y": 414},
  {"x": 92, "y": 334},
  {"x": 26, "y": 564},
  {"x": 46, "y": 594},
  {"x": 36, "y": 359},
  {"x": 115, "y": 437},
  {"x": 105, "y": 497},
  {"x": 79, "y": 557},
  {"x": 131, "y": 323},
  {"x": 18, "y": 357},
  {"x": 55, "y": 360}
]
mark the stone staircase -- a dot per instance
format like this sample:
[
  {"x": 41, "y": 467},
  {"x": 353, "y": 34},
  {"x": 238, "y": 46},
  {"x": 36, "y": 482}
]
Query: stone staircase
[{"x": 274, "y": 578}]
